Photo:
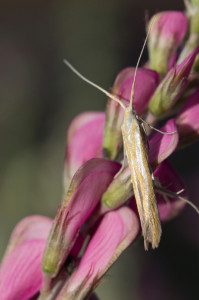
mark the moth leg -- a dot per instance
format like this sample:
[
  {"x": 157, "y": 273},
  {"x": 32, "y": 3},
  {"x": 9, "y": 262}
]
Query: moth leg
[
  {"x": 157, "y": 184},
  {"x": 169, "y": 193},
  {"x": 150, "y": 126}
]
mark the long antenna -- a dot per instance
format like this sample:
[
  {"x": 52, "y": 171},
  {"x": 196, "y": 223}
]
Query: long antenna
[
  {"x": 93, "y": 84},
  {"x": 138, "y": 61}
]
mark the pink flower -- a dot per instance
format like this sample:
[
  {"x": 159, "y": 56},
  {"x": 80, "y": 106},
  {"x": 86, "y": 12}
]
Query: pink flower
[
  {"x": 166, "y": 35},
  {"x": 187, "y": 120},
  {"x": 115, "y": 232},
  {"x": 84, "y": 193},
  {"x": 20, "y": 273},
  {"x": 112, "y": 141}
]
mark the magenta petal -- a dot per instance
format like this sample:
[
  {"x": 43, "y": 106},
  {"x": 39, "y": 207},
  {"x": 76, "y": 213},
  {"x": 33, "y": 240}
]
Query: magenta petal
[
  {"x": 84, "y": 140},
  {"x": 115, "y": 232},
  {"x": 163, "y": 145},
  {"x": 170, "y": 25},
  {"x": 77, "y": 245},
  {"x": 184, "y": 68},
  {"x": 29, "y": 228},
  {"x": 146, "y": 77},
  {"x": 170, "y": 180},
  {"x": 166, "y": 35},
  {"x": 85, "y": 191},
  {"x": 20, "y": 273},
  {"x": 187, "y": 120}
]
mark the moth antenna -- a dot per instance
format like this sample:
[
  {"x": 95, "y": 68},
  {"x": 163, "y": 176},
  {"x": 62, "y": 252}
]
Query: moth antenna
[
  {"x": 138, "y": 61},
  {"x": 66, "y": 62},
  {"x": 160, "y": 131}
]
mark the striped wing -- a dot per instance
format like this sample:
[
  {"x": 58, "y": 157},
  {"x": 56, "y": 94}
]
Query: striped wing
[{"x": 141, "y": 179}]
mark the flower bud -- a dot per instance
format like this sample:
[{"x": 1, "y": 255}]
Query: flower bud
[
  {"x": 113, "y": 235},
  {"x": 84, "y": 193},
  {"x": 192, "y": 41},
  {"x": 172, "y": 86},
  {"x": 166, "y": 35},
  {"x": 187, "y": 120},
  {"x": 112, "y": 142},
  {"x": 118, "y": 192}
]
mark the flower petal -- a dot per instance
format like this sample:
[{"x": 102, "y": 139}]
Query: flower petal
[
  {"x": 85, "y": 191},
  {"x": 115, "y": 232},
  {"x": 163, "y": 145},
  {"x": 29, "y": 228},
  {"x": 84, "y": 140},
  {"x": 20, "y": 273},
  {"x": 166, "y": 35},
  {"x": 187, "y": 120},
  {"x": 170, "y": 180}
]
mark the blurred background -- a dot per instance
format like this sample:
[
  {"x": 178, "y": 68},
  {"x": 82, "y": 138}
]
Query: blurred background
[{"x": 38, "y": 98}]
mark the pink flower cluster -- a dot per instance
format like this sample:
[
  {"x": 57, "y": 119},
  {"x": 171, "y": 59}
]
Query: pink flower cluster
[{"x": 65, "y": 258}]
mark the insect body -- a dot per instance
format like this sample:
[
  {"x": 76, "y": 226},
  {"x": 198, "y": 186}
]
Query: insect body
[{"x": 141, "y": 177}]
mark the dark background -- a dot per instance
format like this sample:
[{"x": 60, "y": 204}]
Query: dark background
[{"x": 38, "y": 98}]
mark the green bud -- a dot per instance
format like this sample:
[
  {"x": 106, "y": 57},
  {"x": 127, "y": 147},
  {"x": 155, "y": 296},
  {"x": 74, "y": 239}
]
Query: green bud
[
  {"x": 112, "y": 141},
  {"x": 119, "y": 191},
  {"x": 172, "y": 86}
]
